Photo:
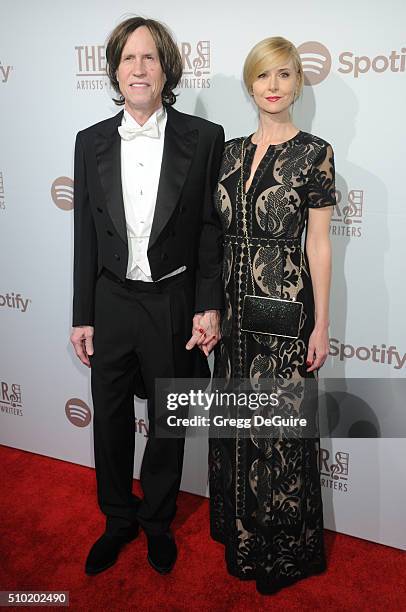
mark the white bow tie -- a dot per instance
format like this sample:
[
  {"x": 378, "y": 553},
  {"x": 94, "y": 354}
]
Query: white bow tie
[{"x": 128, "y": 132}]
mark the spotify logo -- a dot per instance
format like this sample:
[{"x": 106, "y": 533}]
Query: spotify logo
[
  {"x": 77, "y": 412},
  {"x": 316, "y": 62},
  {"x": 62, "y": 192}
]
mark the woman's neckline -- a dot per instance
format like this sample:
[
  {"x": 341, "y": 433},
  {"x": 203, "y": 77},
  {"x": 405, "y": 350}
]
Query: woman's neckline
[{"x": 278, "y": 144}]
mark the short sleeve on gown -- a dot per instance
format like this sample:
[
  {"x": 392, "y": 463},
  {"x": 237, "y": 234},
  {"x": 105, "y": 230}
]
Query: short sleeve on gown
[{"x": 321, "y": 191}]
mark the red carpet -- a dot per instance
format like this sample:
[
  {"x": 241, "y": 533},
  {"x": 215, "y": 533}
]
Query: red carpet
[{"x": 49, "y": 519}]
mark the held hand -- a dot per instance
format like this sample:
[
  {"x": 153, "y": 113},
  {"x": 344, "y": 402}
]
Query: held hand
[
  {"x": 206, "y": 331},
  {"x": 82, "y": 340},
  {"x": 198, "y": 333},
  {"x": 318, "y": 349}
]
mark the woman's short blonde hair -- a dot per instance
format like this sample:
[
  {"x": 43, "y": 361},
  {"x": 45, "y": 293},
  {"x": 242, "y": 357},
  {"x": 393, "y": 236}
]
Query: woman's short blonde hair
[{"x": 268, "y": 54}]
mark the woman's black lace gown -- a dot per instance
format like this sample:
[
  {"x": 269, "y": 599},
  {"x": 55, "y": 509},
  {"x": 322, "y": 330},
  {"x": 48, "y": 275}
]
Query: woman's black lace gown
[{"x": 266, "y": 505}]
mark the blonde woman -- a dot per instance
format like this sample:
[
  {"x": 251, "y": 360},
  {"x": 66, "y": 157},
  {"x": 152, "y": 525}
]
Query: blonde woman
[{"x": 266, "y": 505}]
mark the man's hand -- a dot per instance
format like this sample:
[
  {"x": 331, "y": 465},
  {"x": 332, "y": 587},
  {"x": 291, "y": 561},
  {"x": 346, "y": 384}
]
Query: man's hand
[
  {"x": 82, "y": 340},
  {"x": 206, "y": 331}
]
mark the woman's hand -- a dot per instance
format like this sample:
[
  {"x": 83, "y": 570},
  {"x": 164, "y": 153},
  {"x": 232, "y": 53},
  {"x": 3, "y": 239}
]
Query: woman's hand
[
  {"x": 206, "y": 331},
  {"x": 318, "y": 349},
  {"x": 318, "y": 250}
]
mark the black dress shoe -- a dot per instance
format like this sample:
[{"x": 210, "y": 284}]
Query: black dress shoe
[
  {"x": 105, "y": 550},
  {"x": 162, "y": 552}
]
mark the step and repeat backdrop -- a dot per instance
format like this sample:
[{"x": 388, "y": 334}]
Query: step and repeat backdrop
[{"x": 52, "y": 84}]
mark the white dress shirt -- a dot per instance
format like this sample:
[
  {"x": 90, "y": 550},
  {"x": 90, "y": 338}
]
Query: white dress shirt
[{"x": 141, "y": 159}]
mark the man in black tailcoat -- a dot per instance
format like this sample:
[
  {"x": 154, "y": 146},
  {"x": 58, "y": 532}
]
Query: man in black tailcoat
[{"x": 147, "y": 277}]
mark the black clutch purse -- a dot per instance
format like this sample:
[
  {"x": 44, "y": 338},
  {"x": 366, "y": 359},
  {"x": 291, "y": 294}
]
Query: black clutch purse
[
  {"x": 264, "y": 315},
  {"x": 268, "y": 315}
]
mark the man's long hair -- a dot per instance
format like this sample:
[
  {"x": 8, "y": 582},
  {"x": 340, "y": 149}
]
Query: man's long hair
[{"x": 168, "y": 52}]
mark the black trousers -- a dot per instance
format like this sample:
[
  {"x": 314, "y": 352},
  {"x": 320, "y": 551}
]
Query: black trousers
[{"x": 140, "y": 333}]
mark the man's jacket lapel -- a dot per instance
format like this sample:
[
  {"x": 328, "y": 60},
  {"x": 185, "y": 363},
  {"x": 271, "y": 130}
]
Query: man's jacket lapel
[
  {"x": 108, "y": 154},
  {"x": 179, "y": 147}
]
